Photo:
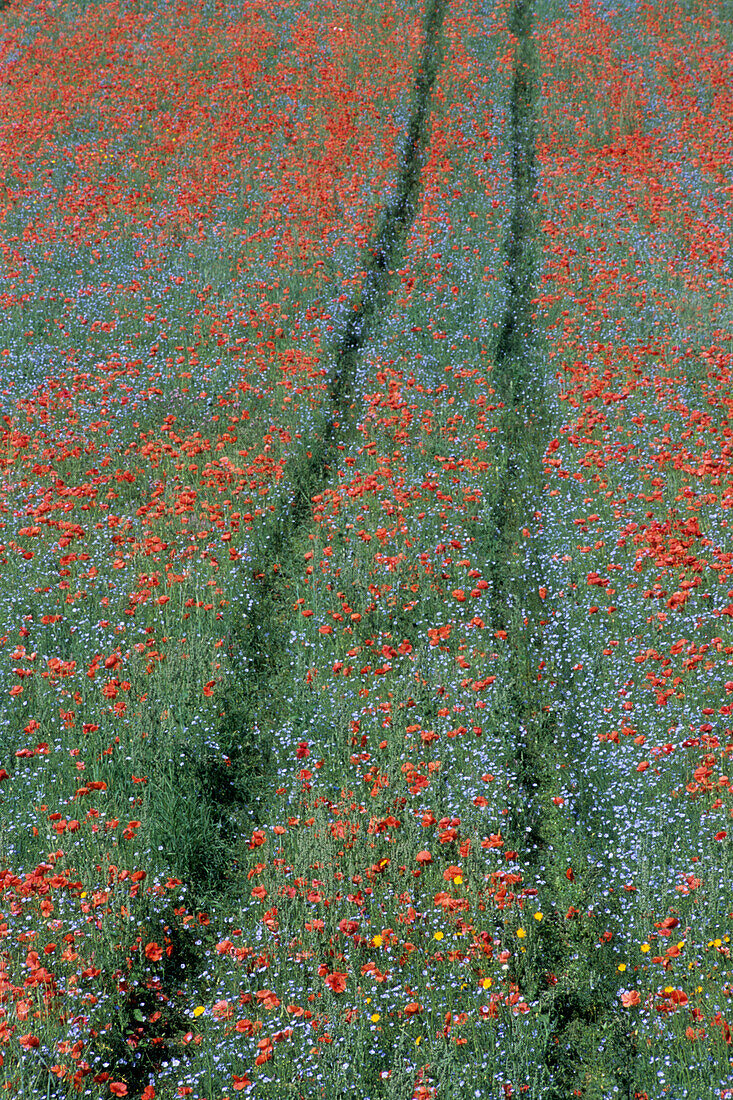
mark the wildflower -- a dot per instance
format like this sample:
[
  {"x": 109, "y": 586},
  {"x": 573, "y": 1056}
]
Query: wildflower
[
  {"x": 336, "y": 982},
  {"x": 521, "y": 933}
]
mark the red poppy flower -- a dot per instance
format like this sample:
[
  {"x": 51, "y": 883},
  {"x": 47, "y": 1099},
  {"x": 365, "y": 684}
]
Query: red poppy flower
[{"x": 336, "y": 982}]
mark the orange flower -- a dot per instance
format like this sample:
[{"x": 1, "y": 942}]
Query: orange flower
[
  {"x": 628, "y": 1000},
  {"x": 413, "y": 1009}
]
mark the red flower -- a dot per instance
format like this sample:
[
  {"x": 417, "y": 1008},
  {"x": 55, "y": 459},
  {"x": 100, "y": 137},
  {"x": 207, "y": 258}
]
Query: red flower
[{"x": 336, "y": 982}]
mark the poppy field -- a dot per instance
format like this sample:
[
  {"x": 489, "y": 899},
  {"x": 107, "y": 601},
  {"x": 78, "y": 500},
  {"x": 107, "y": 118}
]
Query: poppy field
[{"x": 366, "y": 570}]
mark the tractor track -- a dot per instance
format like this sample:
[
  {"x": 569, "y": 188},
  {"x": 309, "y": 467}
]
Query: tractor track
[
  {"x": 228, "y": 780},
  {"x": 587, "y": 1046}
]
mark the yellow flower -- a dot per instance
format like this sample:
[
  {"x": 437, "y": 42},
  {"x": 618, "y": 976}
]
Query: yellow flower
[
  {"x": 438, "y": 935},
  {"x": 538, "y": 916},
  {"x": 377, "y": 941},
  {"x": 375, "y": 1017},
  {"x": 621, "y": 967},
  {"x": 487, "y": 983},
  {"x": 199, "y": 1010},
  {"x": 458, "y": 879},
  {"x": 644, "y": 948},
  {"x": 521, "y": 933}
]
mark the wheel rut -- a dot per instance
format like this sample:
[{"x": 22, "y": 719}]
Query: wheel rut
[
  {"x": 229, "y": 779},
  {"x": 587, "y": 1048}
]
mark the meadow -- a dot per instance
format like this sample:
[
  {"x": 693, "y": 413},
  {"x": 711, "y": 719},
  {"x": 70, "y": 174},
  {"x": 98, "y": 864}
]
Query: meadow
[{"x": 366, "y": 572}]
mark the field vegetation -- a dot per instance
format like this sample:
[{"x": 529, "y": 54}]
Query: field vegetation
[{"x": 366, "y": 574}]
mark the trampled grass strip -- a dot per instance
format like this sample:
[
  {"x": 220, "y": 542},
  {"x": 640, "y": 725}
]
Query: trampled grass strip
[{"x": 586, "y": 1047}]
